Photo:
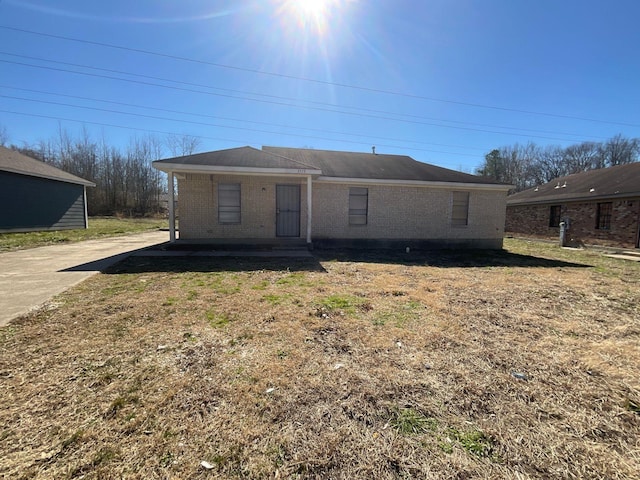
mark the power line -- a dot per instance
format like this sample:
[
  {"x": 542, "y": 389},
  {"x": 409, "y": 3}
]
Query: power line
[
  {"x": 280, "y": 103},
  {"x": 278, "y": 97},
  {"x": 203, "y": 115},
  {"x": 222, "y": 139},
  {"x": 313, "y": 80}
]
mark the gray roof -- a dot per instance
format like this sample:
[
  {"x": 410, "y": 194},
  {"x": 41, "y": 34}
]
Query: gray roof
[
  {"x": 16, "y": 162},
  {"x": 612, "y": 182},
  {"x": 242, "y": 157},
  {"x": 326, "y": 163},
  {"x": 375, "y": 166}
]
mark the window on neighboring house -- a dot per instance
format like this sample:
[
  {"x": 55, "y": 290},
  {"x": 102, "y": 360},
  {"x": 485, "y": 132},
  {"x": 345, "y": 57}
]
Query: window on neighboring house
[
  {"x": 460, "y": 209},
  {"x": 554, "y": 215},
  {"x": 229, "y": 203},
  {"x": 358, "y": 205},
  {"x": 603, "y": 219}
]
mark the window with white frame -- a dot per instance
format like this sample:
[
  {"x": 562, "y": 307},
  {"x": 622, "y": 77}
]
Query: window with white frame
[
  {"x": 358, "y": 205},
  {"x": 229, "y": 203},
  {"x": 460, "y": 209}
]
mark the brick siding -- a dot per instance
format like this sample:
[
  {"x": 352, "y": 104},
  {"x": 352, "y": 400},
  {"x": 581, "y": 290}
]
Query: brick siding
[
  {"x": 394, "y": 212},
  {"x": 533, "y": 220}
]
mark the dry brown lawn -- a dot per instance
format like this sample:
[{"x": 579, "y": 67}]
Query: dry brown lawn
[{"x": 521, "y": 364}]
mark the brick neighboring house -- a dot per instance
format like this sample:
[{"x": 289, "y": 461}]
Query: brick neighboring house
[
  {"x": 330, "y": 198},
  {"x": 601, "y": 207}
]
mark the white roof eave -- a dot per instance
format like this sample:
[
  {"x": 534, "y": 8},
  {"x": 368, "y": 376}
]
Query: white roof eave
[{"x": 210, "y": 169}]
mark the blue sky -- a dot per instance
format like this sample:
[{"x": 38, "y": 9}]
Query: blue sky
[{"x": 444, "y": 81}]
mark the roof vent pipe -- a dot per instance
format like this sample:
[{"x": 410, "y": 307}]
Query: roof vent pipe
[{"x": 373, "y": 149}]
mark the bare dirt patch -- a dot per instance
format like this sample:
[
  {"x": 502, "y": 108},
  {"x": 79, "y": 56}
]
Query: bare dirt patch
[{"x": 520, "y": 364}]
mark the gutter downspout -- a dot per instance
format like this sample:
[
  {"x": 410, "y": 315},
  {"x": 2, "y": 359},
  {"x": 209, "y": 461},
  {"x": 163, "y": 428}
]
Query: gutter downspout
[
  {"x": 309, "y": 210},
  {"x": 172, "y": 213}
]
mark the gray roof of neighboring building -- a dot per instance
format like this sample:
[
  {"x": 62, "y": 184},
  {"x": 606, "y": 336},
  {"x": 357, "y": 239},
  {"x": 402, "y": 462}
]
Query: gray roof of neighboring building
[
  {"x": 16, "y": 162},
  {"x": 327, "y": 163},
  {"x": 612, "y": 182}
]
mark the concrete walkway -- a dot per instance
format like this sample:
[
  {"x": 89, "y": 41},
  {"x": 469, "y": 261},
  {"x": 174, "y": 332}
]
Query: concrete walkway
[{"x": 29, "y": 278}]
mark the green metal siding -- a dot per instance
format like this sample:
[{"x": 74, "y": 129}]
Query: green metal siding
[{"x": 31, "y": 203}]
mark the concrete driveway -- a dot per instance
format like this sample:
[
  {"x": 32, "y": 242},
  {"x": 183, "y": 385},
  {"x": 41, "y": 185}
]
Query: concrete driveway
[{"x": 29, "y": 278}]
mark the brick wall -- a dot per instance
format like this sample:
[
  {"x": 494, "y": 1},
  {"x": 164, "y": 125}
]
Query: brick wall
[
  {"x": 393, "y": 212},
  {"x": 406, "y": 213},
  {"x": 534, "y": 220},
  {"x": 199, "y": 206}
]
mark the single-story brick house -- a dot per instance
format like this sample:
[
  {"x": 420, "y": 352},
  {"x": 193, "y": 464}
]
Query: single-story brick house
[
  {"x": 36, "y": 196},
  {"x": 599, "y": 207},
  {"x": 331, "y": 198}
]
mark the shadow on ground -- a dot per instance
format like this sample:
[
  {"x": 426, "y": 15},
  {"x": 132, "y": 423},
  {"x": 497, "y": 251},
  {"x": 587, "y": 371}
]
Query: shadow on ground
[
  {"x": 448, "y": 258},
  {"x": 182, "y": 264},
  {"x": 440, "y": 258}
]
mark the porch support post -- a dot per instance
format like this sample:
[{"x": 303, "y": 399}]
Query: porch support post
[
  {"x": 309, "y": 209},
  {"x": 172, "y": 213},
  {"x": 86, "y": 211}
]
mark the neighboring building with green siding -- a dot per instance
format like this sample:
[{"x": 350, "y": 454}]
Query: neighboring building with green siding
[{"x": 36, "y": 196}]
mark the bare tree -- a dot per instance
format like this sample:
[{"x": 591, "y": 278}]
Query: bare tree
[
  {"x": 619, "y": 151},
  {"x": 512, "y": 165},
  {"x": 4, "y": 136},
  {"x": 180, "y": 145},
  {"x": 550, "y": 164},
  {"x": 582, "y": 157}
]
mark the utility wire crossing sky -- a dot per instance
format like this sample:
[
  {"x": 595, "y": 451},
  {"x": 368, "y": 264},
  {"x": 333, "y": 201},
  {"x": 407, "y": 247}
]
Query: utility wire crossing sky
[{"x": 444, "y": 82}]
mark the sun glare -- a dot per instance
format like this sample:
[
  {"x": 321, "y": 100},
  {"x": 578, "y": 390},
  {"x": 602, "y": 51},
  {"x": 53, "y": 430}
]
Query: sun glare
[
  {"x": 312, "y": 13},
  {"x": 312, "y": 8}
]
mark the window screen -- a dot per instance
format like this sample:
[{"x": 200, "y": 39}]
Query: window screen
[
  {"x": 554, "y": 216},
  {"x": 358, "y": 205},
  {"x": 460, "y": 208},
  {"x": 229, "y": 203},
  {"x": 603, "y": 221}
]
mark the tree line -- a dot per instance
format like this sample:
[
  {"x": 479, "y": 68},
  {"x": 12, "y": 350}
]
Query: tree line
[
  {"x": 526, "y": 166},
  {"x": 126, "y": 182}
]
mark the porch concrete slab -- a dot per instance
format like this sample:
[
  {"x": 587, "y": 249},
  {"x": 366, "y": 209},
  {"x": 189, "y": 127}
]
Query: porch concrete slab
[{"x": 29, "y": 278}]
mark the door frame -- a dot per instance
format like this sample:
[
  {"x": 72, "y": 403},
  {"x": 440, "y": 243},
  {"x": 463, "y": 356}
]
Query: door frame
[{"x": 299, "y": 204}]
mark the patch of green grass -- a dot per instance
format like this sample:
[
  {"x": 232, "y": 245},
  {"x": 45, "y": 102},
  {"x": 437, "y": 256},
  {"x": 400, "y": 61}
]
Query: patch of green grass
[
  {"x": 192, "y": 295},
  {"x": 297, "y": 279},
  {"x": 344, "y": 303},
  {"x": 169, "y": 301},
  {"x": 473, "y": 441},
  {"x": 99, "y": 227},
  {"x": 400, "y": 316},
  {"x": 260, "y": 286},
  {"x": 274, "y": 299},
  {"x": 409, "y": 421},
  {"x": 221, "y": 284},
  {"x": 217, "y": 320}
]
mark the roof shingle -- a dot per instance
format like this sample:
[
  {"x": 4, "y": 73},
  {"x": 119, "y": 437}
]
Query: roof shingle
[
  {"x": 16, "y": 162},
  {"x": 329, "y": 163},
  {"x": 375, "y": 166},
  {"x": 618, "y": 181}
]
